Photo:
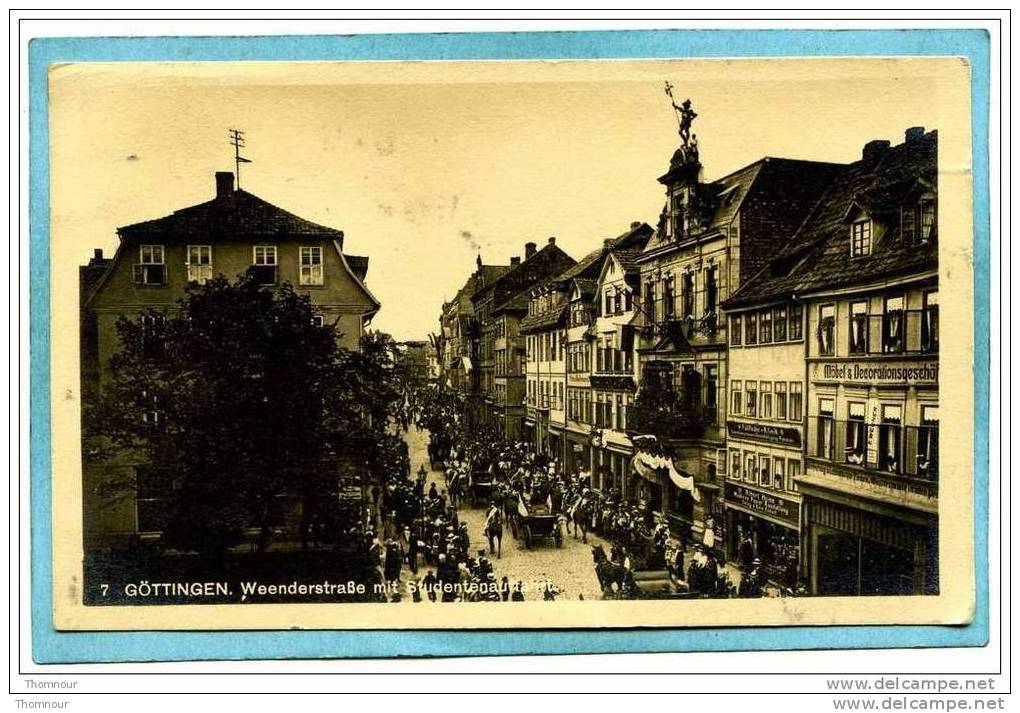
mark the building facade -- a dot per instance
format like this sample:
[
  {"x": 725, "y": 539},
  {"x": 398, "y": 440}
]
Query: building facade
[
  {"x": 236, "y": 233},
  {"x": 711, "y": 237},
  {"x": 865, "y": 268}
]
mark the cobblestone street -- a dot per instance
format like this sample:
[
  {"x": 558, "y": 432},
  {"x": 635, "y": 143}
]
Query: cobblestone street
[{"x": 569, "y": 568}]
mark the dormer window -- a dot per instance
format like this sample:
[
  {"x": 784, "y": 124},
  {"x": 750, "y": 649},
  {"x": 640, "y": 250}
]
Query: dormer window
[
  {"x": 860, "y": 238},
  {"x": 927, "y": 211},
  {"x": 918, "y": 221}
]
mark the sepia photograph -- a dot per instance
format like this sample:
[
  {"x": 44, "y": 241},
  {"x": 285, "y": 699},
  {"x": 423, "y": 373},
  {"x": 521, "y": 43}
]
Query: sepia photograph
[{"x": 511, "y": 344}]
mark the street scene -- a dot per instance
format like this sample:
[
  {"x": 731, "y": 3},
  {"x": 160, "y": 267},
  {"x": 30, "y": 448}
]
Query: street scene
[{"x": 735, "y": 398}]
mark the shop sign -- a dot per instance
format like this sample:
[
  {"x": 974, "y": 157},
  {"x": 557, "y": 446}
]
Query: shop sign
[
  {"x": 764, "y": 433},
  {"x": 764, "y": 503},
  {"x": 879, "y": 373}
]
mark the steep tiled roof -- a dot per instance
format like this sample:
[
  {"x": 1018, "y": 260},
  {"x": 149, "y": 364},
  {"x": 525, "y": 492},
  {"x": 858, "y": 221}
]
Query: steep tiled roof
[
  {"x": 519, "y": 279},
  {"x": 236, "y": 213},
  {"x": 590, "y": 265},
  {"x": 586, "y": 286},
  {"x": 628, "y": 259},
  {"x": 535, "y": 322},
  {"x": 818, "y": 255}
]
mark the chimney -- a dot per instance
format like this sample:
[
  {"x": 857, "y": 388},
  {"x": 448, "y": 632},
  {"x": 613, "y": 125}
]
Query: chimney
[
  {"x": 224, "y": 184},
  {"x": 97, "y": 254},
  {"x": 873, "y": 150},
  {"x": 529, "y": 250},
  {"x": 913, "y": 134},
  {"x": 607, "y": 243},
  {"x": 516, "y": 260},
  {"x": 635, "y": 224},
  {"x": 552, "y": 239}
]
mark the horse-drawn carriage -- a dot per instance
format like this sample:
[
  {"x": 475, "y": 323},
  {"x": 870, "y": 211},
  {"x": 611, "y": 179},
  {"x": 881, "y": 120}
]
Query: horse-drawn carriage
[
  {"x": 481, "y": 489},
  {"x": 535, "y": 523}
]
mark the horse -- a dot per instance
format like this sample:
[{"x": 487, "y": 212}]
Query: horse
[
  {"x": 608, "y": 572},
  {"x": 579, "y": 513},
  {"x": 494, "y": 530}
]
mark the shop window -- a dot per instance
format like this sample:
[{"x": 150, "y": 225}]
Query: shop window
[
  {"x": 858, "y": 328},
  {"x": 765, "y": 327},
  {"x": 751, "y": 332},
  {"x": 780, "y": 324},
  {"x": 928, "y": 443},
  {"x": 796, "y": 322},
  {"x": 736, "y": 397},
  {"x": 736, "y": 332},
  {"x": 892, "y": 326},
  {"x": 765, "y": 410},
  {"x": 889, "y": 445},
  {"x": 779, "y": 472},
  {"x": 781, "y": 400},
  {"x": 855, "y": 433},
  {"x": 752, "y": 399},
  {"x": 825, "y": 428},
  {"x": 826, "y": 329},
  {"x": 930, "y": 323},
  {"x": 764, "y": 471}
]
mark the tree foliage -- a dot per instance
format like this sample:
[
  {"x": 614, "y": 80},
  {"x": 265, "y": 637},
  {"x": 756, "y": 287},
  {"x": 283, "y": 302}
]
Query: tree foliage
[{"x": 236, "y": 399}]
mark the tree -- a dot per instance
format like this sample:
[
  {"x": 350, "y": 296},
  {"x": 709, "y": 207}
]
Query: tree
[{"x": 236, "y": 399}]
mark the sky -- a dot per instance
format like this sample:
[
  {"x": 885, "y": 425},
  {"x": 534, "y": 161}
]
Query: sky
[{"x": 425, "y": 165}]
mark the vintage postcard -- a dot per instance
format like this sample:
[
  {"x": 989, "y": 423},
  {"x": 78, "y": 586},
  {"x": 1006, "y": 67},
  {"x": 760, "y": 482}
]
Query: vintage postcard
[{"x": 508, "y": 345}]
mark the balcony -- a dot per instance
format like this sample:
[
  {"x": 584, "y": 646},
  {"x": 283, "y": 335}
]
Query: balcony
[{"x": 902, "y": 458}]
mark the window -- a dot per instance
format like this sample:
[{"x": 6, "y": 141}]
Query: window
[
  {"x": 668, "y": 300},
  {"x": 889, "y": 456},
  {"x": 609, "y": 302},
  {"x": 151, "y": 269},
  {"x": 930, "y": 323},
  {"x": 892, "y": 326},
  {"x": 152, "y": 334},
  {"x": 764, "y": 472},
  {"x": 311, "y": 266},
  {"x": 855, "y": 433},
  {"x": 792, "y": 473},
  {"x": 752, "y": 399},
  {"x": 750, "y": 467},
  {"x": 780, "y": 324},
  {"x": 825, "y": 428},
  {"x": 779, "y": 473},
  {"x": 796, "y": 401},
  {"x": 796, "y": 322},
  {"x": 928, "y": 443},
  {"x": 765, "y": 327},
  {"x": 199, "y": 262},
  {"x": 318, "y": 320},
  {"x": 617, "y": 300},
  {"x": 826, "y": 329},
  {"x": 751, "y": 333},
  {"x": 151, "y": 414},
  {"x": 711, "y": 289},
  {"x": 688, "y": 294},
  {"x": 781, "y": 400},
  {"x": 860, "y": 238},
  {"x": 736, "y": 397},
  {"x": 736, "y": 333},
  {"x": 264, "y": 264},
  {"x": 711, "y": 390},
  {"x": 927, "y": 210},
  {"x": 735, "y": 464},
  {"x": 858, "y": 327},
  {"x": 621, "y": 420},
  {"x": 766, "y": 400},
  {"x": 649, "y": 307}
]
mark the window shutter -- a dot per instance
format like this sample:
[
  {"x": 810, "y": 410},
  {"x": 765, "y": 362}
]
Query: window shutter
[{"x": 137, "y": 274}]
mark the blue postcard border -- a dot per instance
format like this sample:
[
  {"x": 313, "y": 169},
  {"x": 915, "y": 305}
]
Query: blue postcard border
[{"x": 51, "y": 646}]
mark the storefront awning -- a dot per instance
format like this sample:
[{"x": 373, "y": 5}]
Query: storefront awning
[{"x": 650, "y": 466}]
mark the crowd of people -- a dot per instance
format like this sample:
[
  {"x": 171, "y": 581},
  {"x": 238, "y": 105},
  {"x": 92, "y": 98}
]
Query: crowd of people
[{"x": 418, "y": 528}]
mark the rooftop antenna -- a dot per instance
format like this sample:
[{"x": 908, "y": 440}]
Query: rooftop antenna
[{"x": 237, "y": 141}]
